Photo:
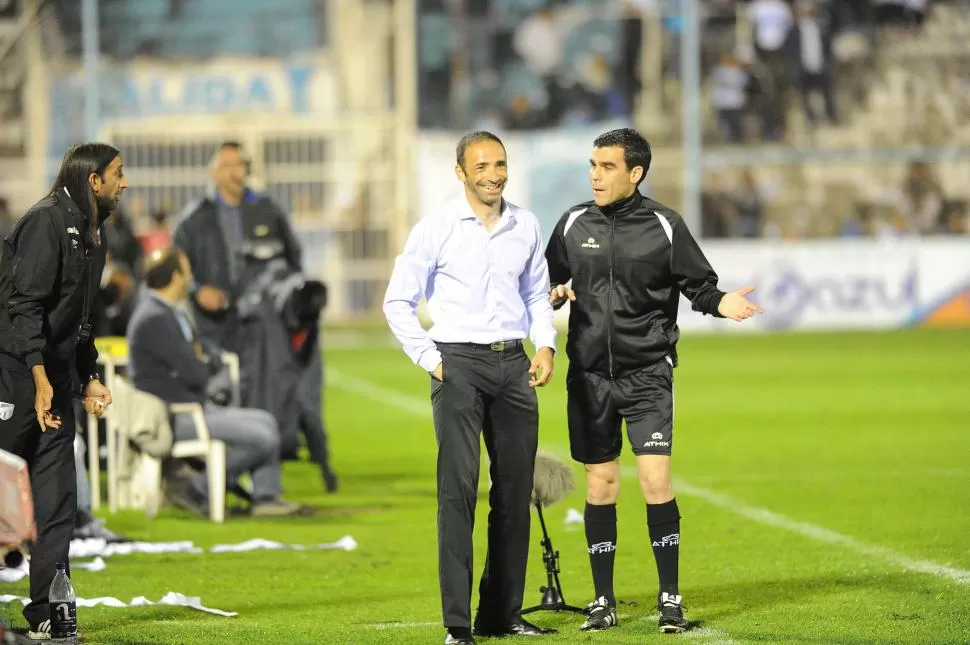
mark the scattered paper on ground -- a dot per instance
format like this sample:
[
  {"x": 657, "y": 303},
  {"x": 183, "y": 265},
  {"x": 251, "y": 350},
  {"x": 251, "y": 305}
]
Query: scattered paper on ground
[
  {"x": 100, "y": 549},
  {"x": 171, "y": 598}
]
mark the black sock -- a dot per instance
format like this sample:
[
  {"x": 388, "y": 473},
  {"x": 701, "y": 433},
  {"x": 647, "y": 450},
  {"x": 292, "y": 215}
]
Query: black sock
[
  {"x": 663, "y": 521},
  {"x": 600, "y": 523}
]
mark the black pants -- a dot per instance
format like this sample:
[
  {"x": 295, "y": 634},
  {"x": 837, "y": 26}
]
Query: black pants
[
  {"x": 50, "y": 460},
  {"x": 484, "y": 392},
  {"x": 823, "y": 84}
]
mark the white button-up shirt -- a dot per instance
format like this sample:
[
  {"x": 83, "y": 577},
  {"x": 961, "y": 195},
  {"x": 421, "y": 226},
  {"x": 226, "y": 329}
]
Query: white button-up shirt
[{"x": 481, "y": 286}]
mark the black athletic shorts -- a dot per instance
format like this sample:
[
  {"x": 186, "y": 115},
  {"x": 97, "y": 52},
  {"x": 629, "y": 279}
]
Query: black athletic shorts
[{"x": 597, "y": 407}]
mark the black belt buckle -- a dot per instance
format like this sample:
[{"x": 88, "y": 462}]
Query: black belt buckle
[{"x": 497, "y": 347}]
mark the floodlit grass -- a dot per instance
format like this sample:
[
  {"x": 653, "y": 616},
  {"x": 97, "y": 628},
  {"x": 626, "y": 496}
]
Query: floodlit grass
[{"x": 817, "y": 474}]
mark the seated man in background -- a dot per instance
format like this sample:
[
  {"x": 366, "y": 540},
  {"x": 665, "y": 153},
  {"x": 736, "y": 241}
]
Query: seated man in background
[{"x": 166, "y": 360}]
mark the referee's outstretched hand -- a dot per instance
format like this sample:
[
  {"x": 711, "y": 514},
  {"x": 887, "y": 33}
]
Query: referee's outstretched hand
[
  {"x": 736, "y": 306},
  {"x": 559, "y": 294}
]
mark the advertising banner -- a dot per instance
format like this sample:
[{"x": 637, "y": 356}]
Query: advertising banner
[
  {"x": 147, "y": 89},
  {"x": 817, "y": 285}
]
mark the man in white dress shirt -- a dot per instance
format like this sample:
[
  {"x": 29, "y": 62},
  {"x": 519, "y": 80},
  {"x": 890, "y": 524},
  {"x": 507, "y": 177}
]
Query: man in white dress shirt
[{"x": 479, "y": 262}]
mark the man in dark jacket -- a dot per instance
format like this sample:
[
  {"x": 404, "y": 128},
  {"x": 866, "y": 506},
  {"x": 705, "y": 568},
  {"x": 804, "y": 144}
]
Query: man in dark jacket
[
  {"x": 49, "y": 274},
  {"x": 230, "y": 237},
  {"x": 212, "y": 232},
  {"x": 629, "y": 258}
]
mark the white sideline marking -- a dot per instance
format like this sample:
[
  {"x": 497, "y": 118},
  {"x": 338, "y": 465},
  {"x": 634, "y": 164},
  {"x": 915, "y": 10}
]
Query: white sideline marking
[
  {"x": 822, "y": 534},
  {"x": 403, "y": 625},
  {"x": 718, "y": 637},
  {"x": 421, "y": 407},
  {"x": 370, "y": 390},
  {"x": 825, "y": 476}
]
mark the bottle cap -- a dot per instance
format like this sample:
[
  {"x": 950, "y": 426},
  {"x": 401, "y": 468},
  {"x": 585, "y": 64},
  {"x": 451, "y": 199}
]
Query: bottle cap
[{"x": 62, "y": 566}]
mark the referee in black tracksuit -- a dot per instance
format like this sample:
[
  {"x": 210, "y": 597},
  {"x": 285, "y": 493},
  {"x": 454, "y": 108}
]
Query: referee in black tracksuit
[
  {"x": 628, "y": 259},
  {"x": 50, "y": 271}
]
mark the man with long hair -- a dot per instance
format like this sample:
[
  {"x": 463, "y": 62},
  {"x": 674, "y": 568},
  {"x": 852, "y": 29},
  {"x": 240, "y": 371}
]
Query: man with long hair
[{"x": 49, "y": 273}]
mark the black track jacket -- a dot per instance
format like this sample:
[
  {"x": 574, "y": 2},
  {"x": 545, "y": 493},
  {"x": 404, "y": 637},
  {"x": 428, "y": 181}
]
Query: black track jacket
[
  {"x": 628, "y": 262},
  {"x": 48, "y": 269}
]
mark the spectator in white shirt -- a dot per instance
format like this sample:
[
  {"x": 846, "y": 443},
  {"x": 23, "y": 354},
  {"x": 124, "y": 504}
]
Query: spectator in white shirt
[
  {"x": 772, "y": 21},
  {"x": 811, "y": 42},
  {"x": 729, "y": 86}
]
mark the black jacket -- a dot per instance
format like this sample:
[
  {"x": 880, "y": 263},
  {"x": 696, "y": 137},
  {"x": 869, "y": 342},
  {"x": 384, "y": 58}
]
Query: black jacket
[
  {"x": 220, "y": 259},
  {"x": 160, "y": 359},
  {"x": 628, "y": 263},
  {"x": 46, "y": 259}
]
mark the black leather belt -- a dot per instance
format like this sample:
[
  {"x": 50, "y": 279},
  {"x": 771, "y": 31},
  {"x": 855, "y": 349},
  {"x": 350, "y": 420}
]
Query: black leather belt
[{"x": 500, "y": 346}]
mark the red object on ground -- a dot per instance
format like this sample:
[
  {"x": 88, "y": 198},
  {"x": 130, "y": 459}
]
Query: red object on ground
[{"x": 16, "y": 503}]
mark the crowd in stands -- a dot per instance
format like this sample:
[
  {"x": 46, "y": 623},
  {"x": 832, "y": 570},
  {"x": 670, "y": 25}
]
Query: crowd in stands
[
  {"x": 556, "y": 63},
  {"x": 735, "y": 204},
  {"x": 197, "y": 29}
]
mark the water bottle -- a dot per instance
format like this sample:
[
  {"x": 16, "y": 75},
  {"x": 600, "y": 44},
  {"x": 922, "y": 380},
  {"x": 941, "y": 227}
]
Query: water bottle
[{"x": 63, "y": 610}]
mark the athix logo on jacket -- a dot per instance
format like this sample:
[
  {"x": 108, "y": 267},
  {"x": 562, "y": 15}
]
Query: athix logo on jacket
[{"x": 590, "y": 244}]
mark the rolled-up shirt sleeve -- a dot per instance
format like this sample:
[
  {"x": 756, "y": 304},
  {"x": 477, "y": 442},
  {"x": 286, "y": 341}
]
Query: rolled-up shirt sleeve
[
  {"x": 408, "y": 284},
  {"x": 534, "y": 289}
]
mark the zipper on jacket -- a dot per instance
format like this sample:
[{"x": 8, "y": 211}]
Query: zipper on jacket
[{"x": 609, "y": 303}]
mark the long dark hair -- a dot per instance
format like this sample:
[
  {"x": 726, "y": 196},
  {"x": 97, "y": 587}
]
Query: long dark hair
[{"x": 79, "y": 162}]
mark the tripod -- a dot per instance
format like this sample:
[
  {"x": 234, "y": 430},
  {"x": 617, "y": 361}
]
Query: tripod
[{"x": 552, "y": 599}]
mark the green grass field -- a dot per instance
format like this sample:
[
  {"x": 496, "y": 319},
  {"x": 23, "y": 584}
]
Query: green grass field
[{"x": 823, "y": 481}]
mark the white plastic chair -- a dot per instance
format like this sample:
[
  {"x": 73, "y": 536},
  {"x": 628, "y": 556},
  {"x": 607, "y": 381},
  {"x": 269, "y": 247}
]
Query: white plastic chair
[
  {"x": 232, "y": 363},
  {"x": 211, "y": 450},
  {"x": 145, "y": 491}
]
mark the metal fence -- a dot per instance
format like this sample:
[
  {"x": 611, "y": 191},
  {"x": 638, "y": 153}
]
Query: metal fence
[{"x": 334, "y": 177}]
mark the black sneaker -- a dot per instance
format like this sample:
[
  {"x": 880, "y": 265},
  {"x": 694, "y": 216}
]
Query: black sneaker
[
  {"x": 601, "y": 615},
  {"x": 520, "y": 627},
  {"x": 97, "y": 529},
  {"x": 188, "y": 498},
  {"x": 330, "y": 481},
  {"x": 672, "y": 619}
]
